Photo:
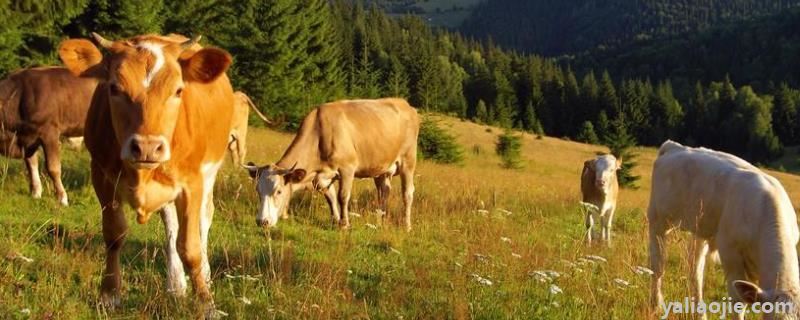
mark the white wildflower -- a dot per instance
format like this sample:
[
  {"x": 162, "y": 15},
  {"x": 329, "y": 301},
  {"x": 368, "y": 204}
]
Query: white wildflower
[
  {"x": 482, "y": 280},
  {"x": 395, "y": 250},
  {"x": 25, "y": 311},
  {"x": 642, "y": 270},
  {"x": 540, "y": 276},
  {"x": 516, "y": 255},
  {"x": 596, "y": 258},
  {"x": 621, "y": 283},
  {"x": 505, "y": 239},
  {"x": 355, "y": 214},
  {"x": 554, "y": 289},
  {"x": 245, "y": 300},
  {"x": 482, "y": 211},
  {"x": 506, "y": 212},
  {"x": 371, "y": 226}
]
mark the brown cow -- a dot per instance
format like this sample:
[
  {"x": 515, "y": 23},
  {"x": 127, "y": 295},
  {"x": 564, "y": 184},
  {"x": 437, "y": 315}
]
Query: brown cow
[
  {"x": 241, "y": 112},
  {"x": 38, "y": 106},
  {"x": 157, "y": 131},
  {"x": 341, "y": 141}
]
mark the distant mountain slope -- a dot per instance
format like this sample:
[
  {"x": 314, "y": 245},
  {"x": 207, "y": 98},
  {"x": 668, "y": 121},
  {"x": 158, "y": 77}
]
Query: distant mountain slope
[
  {"x": 760, "y": 52},
  {"x": 443, "y": 13},
  {"x": 570, "y": 26}
]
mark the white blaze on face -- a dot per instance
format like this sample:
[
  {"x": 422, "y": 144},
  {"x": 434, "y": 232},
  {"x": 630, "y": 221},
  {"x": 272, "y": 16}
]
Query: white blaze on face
[
  {"x": 273, "y": 194},
  {"x": 605, "y": 167},
  {"x": 158, "y": 53}
]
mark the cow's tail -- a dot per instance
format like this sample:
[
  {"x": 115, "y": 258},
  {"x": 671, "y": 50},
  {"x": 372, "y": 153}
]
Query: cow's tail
[
  {"x": 253, "y": 106},
  {"x": 668, "y": 146}
]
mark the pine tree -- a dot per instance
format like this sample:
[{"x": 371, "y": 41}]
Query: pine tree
[
  {"x": 119, "y": 19},
  {"x": 607, "y": 99},
  {"x": 509, "y": 148},
  {"x": 530, "y": 122},
  {"x": 482, "y": 113},
  {"x": 603, "y": 128},
  {"x": 587, "y": 134},
  {"x": 620, "y": 142},
  {"x": 397, "y": 79},
  {"x": 785, "y": 115}
]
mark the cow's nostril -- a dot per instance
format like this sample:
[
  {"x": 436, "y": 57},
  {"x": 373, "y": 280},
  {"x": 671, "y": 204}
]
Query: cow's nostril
[
  {"x": 160, "y": 148},
  {"x": 136, "y": 150}
]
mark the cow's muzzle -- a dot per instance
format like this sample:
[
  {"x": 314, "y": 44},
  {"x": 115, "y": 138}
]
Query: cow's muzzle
[{"x": 145, "y": 152}]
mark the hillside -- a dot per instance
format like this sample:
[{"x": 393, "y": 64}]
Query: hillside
[
  {"x": 457, "y": 262},
  {"x": 565, "y": 27},
  {"x": 442, "y": 13},
  {"x": 762, "y": 52}
]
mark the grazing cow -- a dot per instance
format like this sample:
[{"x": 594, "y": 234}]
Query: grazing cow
[
  {"x": 341, "y": 141},
  {"x": 241, "y": 112},
  {"x": 600, "y": 188},
  {"x": 38, "y": 106},
  {"x": 156, "y": 131},
  {"x": 729, "y": 206}
]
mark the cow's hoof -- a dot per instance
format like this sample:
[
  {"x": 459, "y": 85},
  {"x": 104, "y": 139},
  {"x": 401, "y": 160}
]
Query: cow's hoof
[
  {"x": 63, "y": 200},
  {"x": 211, "y": 312},
  {"x": 36, "y": 194},
  {"x": 110, "y": 301},
  {"x": 344, "y": 226}
]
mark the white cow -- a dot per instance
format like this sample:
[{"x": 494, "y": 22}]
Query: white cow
[
  {"x": 734, "y": 208},
  {"x": 600, "y": 188}
]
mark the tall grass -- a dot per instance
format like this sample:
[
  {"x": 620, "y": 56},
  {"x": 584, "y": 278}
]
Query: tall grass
[{"x": 479, "y": 235}]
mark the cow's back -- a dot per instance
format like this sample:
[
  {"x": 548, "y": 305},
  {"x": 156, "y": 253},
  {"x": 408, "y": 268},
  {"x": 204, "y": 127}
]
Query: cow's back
[
  {"x": 702, "y": 190},
  {"x": 48, "y": 98},
  {"x": 371, "y": 133}
]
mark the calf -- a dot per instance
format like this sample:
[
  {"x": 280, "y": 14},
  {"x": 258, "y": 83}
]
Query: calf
[
  {"x": 734, "y": 208},
  {"x": 600, "y": 189}
]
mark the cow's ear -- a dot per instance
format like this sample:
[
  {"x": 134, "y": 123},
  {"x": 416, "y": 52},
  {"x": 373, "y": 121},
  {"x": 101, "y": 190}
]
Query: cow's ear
[
  {"x": 749, "y": 292},
  {"x": 205, "y": 65},
  {"x": 588, "y": 166},
  {"x": 252, "y": 169},
  {"x": 619, "y": 163},
  {"x": 82, "y": 58},
  {"x": 295, "y": 176}
]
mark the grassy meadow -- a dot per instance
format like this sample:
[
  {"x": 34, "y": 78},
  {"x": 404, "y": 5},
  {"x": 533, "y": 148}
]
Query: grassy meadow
[{"x": 479, "y": 234}]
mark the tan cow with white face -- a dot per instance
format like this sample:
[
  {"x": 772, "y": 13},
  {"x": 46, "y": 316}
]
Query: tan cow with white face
[
  {"x": 341, "y": 141},
  {"x": 157, "y": 131},
  {"x": 600, "y": 188}
]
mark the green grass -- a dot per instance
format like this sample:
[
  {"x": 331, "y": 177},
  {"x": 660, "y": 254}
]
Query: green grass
[{"x": 305, "y": 268}]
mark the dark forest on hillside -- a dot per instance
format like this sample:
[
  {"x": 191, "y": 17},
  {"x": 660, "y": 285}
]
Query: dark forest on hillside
[{"x": 291, "y": 55}]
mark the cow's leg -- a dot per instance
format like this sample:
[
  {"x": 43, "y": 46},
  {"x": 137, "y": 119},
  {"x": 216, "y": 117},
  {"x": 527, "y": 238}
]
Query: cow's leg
[
  {"x": 233, "y": 148},
  {"x": 115, "y": 229},
  {"x": 345, "y": 189},
  {"x": 206, "y": 218},
  {"x": 407, "y": 184},
  {"x": 176, "y": 280},
  {"x": 589, "y": 222},
  {"x": 32, "y": 165},
  {"x": 330, "y": 197},
  {"x": 658, "y": 233},
  {"x": 734, "y": 267},
  {"x": 697, "y": 267},
  {"x": 189, "y": 205},
  {"x": 52, "y": 156},
  {"x": 384, "y": 186},
  {"x": 207, "y": 215},
  {"x": 607, "y": 219}
]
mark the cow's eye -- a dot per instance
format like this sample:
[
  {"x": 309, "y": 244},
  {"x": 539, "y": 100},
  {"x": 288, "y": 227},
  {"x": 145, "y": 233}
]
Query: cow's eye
[
  {"x": 178, "y": 92},
  {"x": 279, "y": 192}
]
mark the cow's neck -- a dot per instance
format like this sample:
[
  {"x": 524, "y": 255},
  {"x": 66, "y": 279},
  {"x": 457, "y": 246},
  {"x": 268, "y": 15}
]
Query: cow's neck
[
  {"x": 303, "y": 153},
  {"x": 778, "y": 264}
]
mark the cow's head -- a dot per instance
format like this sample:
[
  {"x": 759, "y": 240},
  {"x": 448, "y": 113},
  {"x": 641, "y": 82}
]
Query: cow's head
[
  {"x": 785, "y": 303},
  {"x": 602, "y": 170},
  {"x": 145, "y": 80},
  {"x": 274, "y": 186}
]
